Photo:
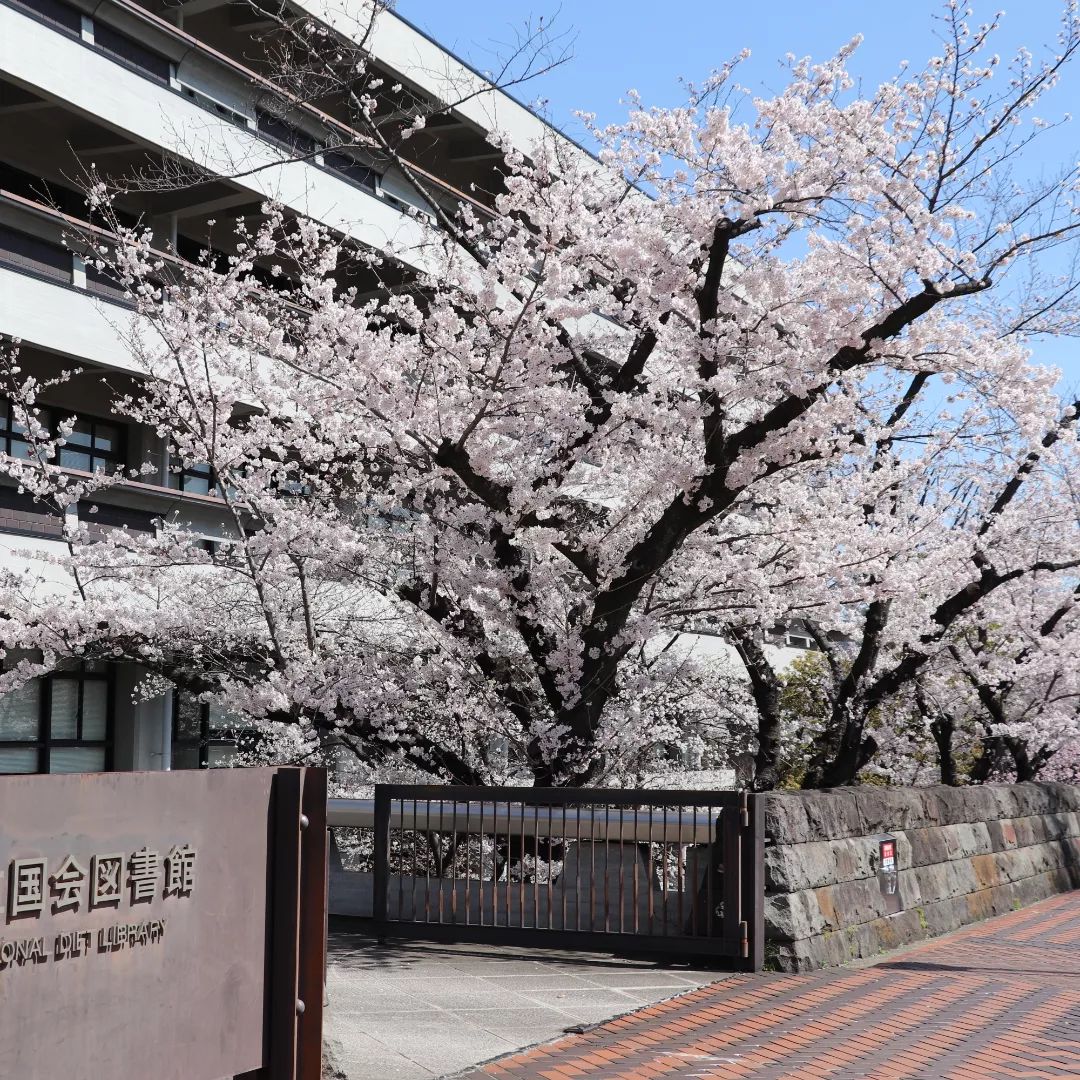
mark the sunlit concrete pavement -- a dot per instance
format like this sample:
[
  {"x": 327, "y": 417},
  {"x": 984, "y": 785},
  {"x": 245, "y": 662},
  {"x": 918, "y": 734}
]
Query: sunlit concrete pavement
[
  {"x": 998, "y": 1000},
  {"x": 413, "y": 1011}
]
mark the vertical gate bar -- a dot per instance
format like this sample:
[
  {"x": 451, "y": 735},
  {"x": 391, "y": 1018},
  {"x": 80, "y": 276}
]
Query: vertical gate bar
[
  {"x": 454, "y": 833},
  {"x": 753, "y": 881},
  {"x": 562, "y": 872},
  {"x": 285, "y": 959},
  {"x": 480, "y": 870},
  {"x": 622, "y": 869},
  {"x": 521, "y": 869},
  {"x": 664, "y": 876},
  {"x": 680, "y": 872},
  {"x": 695, "y": 878},
  {"x": 732, "y": 828},
  {"x": 652, "y": 872},
  {"x": 400, "y": 804},
  {"x": 414, "y": 912},
  {"x": 492, "y": 875},
  {"x": 536, "y": 865},
  {"x": 607, "y": 867},
  {"x": 577, "y": 873},
  {"x": 504, "y": 873},
  {"x": 381, "y": 882},
  {"x": 441, "y": 867},
  {"x": 592, "y": 866},
  {"x": 432, "y": 846},
  {"x": 550, "y": 906},
  {"x": 637, "y": 859},
  {"x": 468, "y": 862},
  {"x": 710, "y": 899},
  {"x": 314, "y": 865}
]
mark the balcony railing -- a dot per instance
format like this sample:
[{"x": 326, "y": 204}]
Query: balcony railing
[{"x": 144, "y": 61}]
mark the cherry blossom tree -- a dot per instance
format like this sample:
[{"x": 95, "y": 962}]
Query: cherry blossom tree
[{"x": 698, "y": 382}]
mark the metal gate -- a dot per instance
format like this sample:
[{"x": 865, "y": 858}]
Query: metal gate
[{"x": 674, "y": 872}]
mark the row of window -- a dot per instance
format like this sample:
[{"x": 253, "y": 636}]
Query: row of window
[
  {"x": 94, "y": 445},
  {"x": 63, "y": 723},
  {"x": 58, "y": 724}
]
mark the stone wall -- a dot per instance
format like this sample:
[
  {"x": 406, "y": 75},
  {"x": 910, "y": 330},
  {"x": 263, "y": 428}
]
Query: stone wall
[{"x": 962, "y": 854}]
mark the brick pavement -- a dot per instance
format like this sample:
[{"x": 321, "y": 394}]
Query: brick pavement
[{"x": 995, "y": 1001}]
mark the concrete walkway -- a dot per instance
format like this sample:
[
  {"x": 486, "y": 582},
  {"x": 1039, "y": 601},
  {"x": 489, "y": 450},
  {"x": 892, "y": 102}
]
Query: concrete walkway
[
  {"x": 995, "y": 1001},
  {"x": 415, "y": 1011}
]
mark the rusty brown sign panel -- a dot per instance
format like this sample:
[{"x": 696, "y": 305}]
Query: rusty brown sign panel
[{"x": 162, "y": 925}]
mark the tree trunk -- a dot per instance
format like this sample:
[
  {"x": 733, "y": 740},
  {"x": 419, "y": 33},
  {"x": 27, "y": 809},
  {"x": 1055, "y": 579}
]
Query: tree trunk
[
  {"x": 943, "y": 729},
  {"x": 1027, "y": 765},
  {"x": 840, "y": 758},
  {"x": 992, "y": 753},
  {"x": 765, "y": 688}
]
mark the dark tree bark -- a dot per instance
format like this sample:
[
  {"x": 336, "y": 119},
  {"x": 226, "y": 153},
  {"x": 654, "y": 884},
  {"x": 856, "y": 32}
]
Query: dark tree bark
[
  {"x": 942, "y": 729},
  {"x": 765, "y": 688},
  {"x": 994, "y": 752}
]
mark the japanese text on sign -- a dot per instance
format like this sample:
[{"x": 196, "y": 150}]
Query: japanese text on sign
[{"x": 106, "y": 882}]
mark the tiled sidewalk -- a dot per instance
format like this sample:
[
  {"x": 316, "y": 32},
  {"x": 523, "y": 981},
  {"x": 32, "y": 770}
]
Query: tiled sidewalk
[{"x": 997, "y": 1000}]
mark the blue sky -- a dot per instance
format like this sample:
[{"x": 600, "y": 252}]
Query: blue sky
[{"x": 649, "y": 46}]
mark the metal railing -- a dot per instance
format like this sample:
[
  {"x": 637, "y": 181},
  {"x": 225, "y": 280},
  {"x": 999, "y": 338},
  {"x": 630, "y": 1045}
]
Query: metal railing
[{"x": 675, "y": 872}]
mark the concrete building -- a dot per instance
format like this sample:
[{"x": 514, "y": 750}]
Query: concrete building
[{"x": 120, "y": 86}]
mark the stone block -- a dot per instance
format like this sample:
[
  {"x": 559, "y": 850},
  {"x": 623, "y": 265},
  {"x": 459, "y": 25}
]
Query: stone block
[
  {"x": 788, "y": 919},
  {"x": 833, "y": 815},
  {"x": 927, "y": 846},
  {"x": 1003, "y": 834},
  {"x": 785, "y": 818},
  {"x": 794, "y": 867},
  {"x": 886, "y": 810}
]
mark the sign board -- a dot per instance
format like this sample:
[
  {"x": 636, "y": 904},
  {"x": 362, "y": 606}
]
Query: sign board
[
  {"x": 888, "y": 856},
  {"x": 162, "y": 925},
  {"x": 888, "y": 874}
]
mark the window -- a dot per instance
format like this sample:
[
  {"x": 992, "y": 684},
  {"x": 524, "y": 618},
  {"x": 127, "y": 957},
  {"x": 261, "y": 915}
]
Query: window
[
  {"x": 13, "y": 431},
  {"x": 59, "y": 723},
  {"x": 31, "y": 255},
  {"x": 197, "y": 479},
  {"x": 121, "y": 47},
  {"x": 289, "y": 135},
  {"x": 92, "y": 446},
  {"x": 55, "y": 12},
  {"x": 362, "y": 175},
  {"x": 204, "y": 737}
]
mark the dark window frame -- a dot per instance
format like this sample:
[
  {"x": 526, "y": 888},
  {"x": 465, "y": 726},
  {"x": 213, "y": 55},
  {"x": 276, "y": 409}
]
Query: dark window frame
[
  {"x": 180, "y": 474},
  {"x": 53, "y": 415},
  {"x": 45, "y": 743},
  {"x": 115, "y": 458},
  {"x": 205, "y": 740}
]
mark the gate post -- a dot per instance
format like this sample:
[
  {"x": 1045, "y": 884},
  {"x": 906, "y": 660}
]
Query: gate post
[
  {"x": 314, "y": 851},
  {"x": 285, "y": 971},
  {"x": 752, "y": 857},
  {"x": 381, "y": 876}
]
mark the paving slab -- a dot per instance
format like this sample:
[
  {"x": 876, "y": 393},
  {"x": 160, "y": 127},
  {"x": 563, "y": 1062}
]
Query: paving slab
[
  {"x": 416, "y": 1011},
  {"x": 994, "y": 1001}
]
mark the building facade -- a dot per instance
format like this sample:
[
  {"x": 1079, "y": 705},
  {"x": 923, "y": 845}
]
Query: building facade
[{"x": 184, "y": 88}]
